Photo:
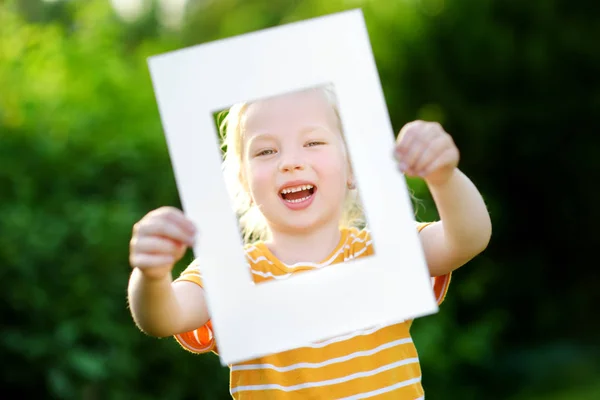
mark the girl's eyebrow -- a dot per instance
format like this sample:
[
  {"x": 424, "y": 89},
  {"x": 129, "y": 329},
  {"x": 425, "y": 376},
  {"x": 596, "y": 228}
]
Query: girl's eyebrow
[
  {"x": 260, "y": 136},
  {"x": 266, "y": 135},
  {"x": 312, "y": 128}
]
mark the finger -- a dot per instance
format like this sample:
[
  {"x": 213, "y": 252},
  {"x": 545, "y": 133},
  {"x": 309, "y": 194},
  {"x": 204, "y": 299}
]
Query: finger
[
  {"x": 180, "y": 219},
  {"x": 142, "y": 260},
  {"x": 177, "y": 216},
  {"x": 412, "y": 154},
  {"x": 155, "y": 245},
  {"x": 415, "y": 138},
  {"x": 435, "y": 148},
  {"x": 447, "y": 157},
  {"x": 166, "y": 229},
  {"x": 406, "y": 135},
  {"x": 415, "y": 130}
]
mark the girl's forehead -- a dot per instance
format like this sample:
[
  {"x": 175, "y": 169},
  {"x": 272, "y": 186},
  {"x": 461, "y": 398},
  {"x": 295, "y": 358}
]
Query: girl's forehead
[{"x": 295, "y": 108}]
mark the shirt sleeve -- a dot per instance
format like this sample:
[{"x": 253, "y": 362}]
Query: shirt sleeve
[
  {"x": 200, "y": 340},
  {"x": 440, "y": 283}
]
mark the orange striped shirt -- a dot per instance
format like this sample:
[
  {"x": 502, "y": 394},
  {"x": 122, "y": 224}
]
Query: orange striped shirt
[{"x": 380, "y": 362}]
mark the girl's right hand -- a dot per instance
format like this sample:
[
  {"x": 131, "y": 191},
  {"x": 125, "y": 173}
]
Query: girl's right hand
[{"x": 159, "y": 240}]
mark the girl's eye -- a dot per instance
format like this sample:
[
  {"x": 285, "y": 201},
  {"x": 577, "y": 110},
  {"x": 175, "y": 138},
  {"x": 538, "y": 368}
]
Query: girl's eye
[
  {"x": 314, "y": 143},
  {"x": 265, "y": 152}
]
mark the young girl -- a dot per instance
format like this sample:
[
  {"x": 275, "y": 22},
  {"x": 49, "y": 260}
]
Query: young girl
[{"x": 295, "y": 193}]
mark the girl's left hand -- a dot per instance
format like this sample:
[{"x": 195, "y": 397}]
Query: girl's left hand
[{"x": 424, "y": 149}]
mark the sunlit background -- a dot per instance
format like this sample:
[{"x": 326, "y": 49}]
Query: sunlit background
[{"x": 83, "y": 157}]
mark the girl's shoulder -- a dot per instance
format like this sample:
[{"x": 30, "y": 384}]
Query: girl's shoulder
[
  {"x": 365, "y": 232},
  {"x": 255, "y": 249},
  {"x": 352, "y": 232},
  {"x": 356, "y": 238}
]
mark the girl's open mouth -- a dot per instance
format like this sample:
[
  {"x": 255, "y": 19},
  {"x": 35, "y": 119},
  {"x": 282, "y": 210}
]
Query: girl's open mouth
[
  {"x": 298, "y": 197},
  {"x": 298, "y": 193}
]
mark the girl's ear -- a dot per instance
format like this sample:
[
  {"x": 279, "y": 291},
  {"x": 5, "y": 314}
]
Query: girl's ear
[{"x": 350, "y": 183}]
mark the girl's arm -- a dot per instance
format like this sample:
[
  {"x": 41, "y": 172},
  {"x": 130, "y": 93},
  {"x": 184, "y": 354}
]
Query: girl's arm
[
  {"x": 158, "y": 306},
  {"x": 161, "y": 308},
  {"x": 425, "y": 150},
  {"x": 464, "y": 229}
]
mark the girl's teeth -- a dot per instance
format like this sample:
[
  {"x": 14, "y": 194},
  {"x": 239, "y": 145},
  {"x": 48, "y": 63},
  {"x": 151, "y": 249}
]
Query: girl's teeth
[
  {"x": 298, "y": 200},
  {"x": 297, "y": 189}
]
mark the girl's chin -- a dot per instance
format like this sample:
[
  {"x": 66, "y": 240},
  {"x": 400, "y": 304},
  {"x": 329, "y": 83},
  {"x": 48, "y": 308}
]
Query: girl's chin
[{"x": 300, "y": 225}]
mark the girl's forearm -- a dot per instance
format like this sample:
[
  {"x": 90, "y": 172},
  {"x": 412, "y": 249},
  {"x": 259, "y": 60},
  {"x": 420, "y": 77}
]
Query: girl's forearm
[
  {"x": 154, "y": 305},
  {"x": 464, "y": 215}
]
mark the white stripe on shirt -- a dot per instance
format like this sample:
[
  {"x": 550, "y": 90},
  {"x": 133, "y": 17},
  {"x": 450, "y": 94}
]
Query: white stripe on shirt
[
  {"x": 330, "y": 361},
  {"x": 386, "y": 389},
  {"x": 326, "y": 382}
]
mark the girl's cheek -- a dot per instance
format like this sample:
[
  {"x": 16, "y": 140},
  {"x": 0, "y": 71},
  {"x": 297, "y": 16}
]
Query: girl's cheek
[
  {"x": 331, "y": 161},
  {"x": 258, "y": 175}
]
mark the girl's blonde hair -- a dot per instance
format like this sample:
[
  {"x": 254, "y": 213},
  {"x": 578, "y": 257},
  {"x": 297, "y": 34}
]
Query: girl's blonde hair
[{"x": 252, "y": 222}]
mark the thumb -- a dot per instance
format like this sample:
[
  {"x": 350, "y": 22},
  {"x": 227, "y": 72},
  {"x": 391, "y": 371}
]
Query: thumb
[{"x": 180, "y": 250}]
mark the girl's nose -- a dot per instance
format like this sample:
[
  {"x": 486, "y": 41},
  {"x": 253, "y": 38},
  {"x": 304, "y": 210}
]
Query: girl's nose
[{"x": 289, "y": 164}]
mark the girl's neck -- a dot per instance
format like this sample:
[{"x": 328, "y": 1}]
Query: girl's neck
[{"x": 295, "y": 247}]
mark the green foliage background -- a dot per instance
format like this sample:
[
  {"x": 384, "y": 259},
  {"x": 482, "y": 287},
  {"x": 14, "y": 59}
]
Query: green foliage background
[{"x": 83, "y": 157}]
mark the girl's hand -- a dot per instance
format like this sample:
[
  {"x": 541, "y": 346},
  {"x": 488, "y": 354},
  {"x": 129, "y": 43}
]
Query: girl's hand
[
  {"x": 159, "y": 240},
  {"x": 424, "y": 149}
]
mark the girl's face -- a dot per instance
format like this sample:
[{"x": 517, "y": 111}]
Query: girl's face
[{"x": 294, "y": 161}]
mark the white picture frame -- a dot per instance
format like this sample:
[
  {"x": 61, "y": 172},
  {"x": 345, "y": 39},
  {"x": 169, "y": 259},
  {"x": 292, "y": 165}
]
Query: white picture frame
[{"x": 251, "y": 320}]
